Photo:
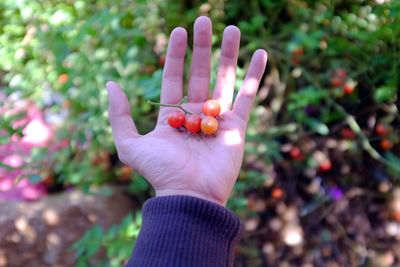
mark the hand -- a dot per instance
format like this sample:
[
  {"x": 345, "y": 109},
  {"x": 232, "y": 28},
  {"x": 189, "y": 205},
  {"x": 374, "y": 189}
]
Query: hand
[{"x": 173, "y": 163}]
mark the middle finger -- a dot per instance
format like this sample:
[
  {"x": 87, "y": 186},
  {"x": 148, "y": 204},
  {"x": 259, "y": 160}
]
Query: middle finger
[{"x": 200, "y": 69}]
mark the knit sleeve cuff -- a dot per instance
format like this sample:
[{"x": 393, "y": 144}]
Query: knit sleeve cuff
[{"x": 186, "y": 231}]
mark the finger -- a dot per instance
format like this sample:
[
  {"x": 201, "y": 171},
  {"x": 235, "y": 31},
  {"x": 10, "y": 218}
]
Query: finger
[
  {"x": 247, "y": 93},
  {"x": 119, "y": 114},
  {"x": 225, "y": 84},
  {"x": 199, "y": 83},
  {"x": 171, "y": 89}
]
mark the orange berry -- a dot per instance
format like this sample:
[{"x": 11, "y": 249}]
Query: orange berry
[
  {"x": 211, "y": 108},
  {"x": 277, "y": 193},
  {"x": 209, "y": 125},
  {"x": 126, "y": 170},
  {"x": 66, "y": 104},
  {"x": 63, "y": 78},
  {"x": 386, "y": 144}
]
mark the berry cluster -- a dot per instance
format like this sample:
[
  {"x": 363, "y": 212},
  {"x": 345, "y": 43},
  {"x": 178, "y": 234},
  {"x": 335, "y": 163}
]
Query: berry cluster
[
  {"x": 339, "y": 79},
  {"x": 193, "y": 122}
]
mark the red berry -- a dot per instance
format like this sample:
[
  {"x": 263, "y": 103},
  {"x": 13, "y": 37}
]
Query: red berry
[
  {"x": 211, "y": 108},
  {"x": 161, "y": 60},
  {"x": 336, "y": 81},
  {"x": 209, "y": 125},
  {"x": 347, "y": 133},
  {"x": 295, "y": 61},
  {"x": 341, "y": 73},
  {"x": 63, "y": 78},
  {"x": 176, "y": 119},
  {"x": 325, "y": 166},
  {"x": 277, "y": 193},
  {"x": 381, "y": 129},
  {"x": 298, "y": 51},
  {"x": 193, "y": 123},
  {"x": 348, "y": 87},
  {"x": 386, "y": 144},
  {"x": 295, "y": 153}
]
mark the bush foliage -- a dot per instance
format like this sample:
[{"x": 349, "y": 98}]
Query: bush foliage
[{"x": 332, "y": 79}]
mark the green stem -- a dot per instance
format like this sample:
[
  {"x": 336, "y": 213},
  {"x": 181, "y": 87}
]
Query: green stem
[
  {"x": 366, "y": 145},
  {"x": 351, "y": 121},
  {"x": 170, "y": 105}
]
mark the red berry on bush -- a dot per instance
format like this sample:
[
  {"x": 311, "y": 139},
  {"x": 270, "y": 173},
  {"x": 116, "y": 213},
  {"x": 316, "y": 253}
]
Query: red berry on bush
[
  {"x": 209, "y": 125},
  {"x": 176, "y": 119},
  {"x": 348, "y": 87},
  {"x": 338, "y": 77},
  {"x": 325, "y": 166},
  {"x": 298, "y": 51},
  {"x": 192, "y": 123},
  {"x": 161, "y": 60},
  {"x": 341, "y": 73},
  {"x": 381, "y": 129},
  {"x": 211, "y": 108},
  {"x": 336, "y": 81},
  {"x": 277, "y": 193},
  {"x": 63, "y": 78},
  {"x": 386, "y": 144},
  {"x": 347, "y": 133},
  {"x": 295, "y": 61},
  {"x": 295, "y": 153}
]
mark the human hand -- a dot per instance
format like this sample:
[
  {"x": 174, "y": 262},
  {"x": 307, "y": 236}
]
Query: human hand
[{"x": 173, "y": 163}]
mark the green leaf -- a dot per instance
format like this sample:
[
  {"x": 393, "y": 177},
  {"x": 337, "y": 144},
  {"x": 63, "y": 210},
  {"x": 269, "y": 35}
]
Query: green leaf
[
  {"x": 317, "y": 126},
  {"x": 384, "y": 93}
]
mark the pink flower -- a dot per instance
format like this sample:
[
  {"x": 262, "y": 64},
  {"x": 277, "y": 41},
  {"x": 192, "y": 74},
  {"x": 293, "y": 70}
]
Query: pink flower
[{"x": 37, "y": 133}]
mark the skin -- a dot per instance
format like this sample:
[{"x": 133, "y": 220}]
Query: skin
[{"x": 177, "y": 164}]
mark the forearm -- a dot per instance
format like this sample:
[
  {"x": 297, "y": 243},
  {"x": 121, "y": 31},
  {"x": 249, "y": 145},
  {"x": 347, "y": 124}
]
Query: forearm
[{"x": 186, "y": 231}]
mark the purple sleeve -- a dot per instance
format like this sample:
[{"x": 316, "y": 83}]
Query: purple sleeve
[{"x": 186, "y": 231}]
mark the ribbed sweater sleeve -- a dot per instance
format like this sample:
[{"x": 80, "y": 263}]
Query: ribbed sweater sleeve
[{"x": 185, "y": 231}]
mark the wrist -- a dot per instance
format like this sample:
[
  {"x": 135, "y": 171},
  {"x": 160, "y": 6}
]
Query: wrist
[{"x": 173, "y": 192}]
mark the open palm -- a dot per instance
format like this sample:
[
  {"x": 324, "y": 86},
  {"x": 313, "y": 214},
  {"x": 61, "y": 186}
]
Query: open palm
[{"x": 174, "y": 162}]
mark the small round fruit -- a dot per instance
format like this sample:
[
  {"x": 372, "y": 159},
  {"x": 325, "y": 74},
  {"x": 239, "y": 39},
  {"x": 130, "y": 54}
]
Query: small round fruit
[
  {"x": 209, "y": 125},
  {"x": 211, "y": 108},
  {"x": 347, "y": 133},
  {"x": 277, "y": 193},
  {"x": 176, "y": 119},
  {"x": 295, "y": 61},
  {"x": 295, "y": 153},
  {"x": 192, "y": 123},
  {"x": 381, "y": 129},
  {"x": 325, "y": 166},
  {"x": 386, "y": 144},
  {"x": 348, "y": 87},
  {"x": 298, "y": 51},
  {"x": 336, "y": 81},
  {"x": 341, "y": 73},
  {"x": 161, "y": 60},
  {"x": 63, "y": 78}
]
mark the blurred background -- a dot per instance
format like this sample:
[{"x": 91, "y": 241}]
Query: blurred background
[{"x": 319, "y": 184}]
